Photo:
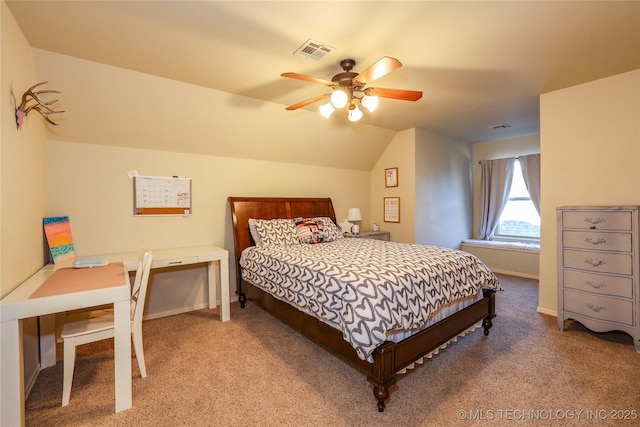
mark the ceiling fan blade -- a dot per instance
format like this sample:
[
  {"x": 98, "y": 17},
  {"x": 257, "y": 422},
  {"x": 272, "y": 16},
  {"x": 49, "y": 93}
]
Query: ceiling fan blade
[
  {"x": 405, "y": 95},
  {"x": 307, "y": 102},
  {"x": 383, "y": 67},
  {"x": 307, "y": 78}
]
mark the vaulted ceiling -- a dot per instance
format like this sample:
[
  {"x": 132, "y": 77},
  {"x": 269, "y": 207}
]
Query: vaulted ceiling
[{"x": 478, "y": 63}]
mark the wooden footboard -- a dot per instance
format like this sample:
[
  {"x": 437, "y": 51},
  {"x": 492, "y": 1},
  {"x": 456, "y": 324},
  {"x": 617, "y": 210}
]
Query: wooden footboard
[{"x": 390, "y": 357}]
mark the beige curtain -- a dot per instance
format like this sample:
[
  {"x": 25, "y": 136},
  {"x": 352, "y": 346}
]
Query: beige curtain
[
  {"x": 496, "y": 183},
  {"x": 530, "y": 166}
]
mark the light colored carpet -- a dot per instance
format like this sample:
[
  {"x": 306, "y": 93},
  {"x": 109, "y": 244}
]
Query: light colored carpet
[{"x": 255, "y": 371}]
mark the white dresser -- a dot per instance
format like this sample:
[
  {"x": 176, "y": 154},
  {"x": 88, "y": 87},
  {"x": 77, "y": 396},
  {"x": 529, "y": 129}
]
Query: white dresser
[{"x": 598, "y": 268}]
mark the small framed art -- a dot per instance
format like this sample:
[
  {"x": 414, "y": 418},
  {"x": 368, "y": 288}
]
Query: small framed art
[
  {"x": 391, "y": 177},
  {"x": 392, "y": 209}
]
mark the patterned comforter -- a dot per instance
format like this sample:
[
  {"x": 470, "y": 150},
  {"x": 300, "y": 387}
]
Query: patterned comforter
[{"x": 365, "y": 287}]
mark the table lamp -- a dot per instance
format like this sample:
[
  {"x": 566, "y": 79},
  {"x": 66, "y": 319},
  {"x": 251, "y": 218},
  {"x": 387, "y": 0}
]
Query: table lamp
[{"x": 353, "y": 214}]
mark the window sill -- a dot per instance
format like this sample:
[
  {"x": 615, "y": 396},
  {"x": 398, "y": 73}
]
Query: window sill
[{"x": 502, "y": 244}]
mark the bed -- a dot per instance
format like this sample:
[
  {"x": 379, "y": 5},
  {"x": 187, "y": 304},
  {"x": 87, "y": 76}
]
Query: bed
[{"x": 384, "y": 354}]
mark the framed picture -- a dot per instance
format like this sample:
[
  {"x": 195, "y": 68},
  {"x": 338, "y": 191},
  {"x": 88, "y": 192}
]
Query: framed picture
[
  {"x": 391, "y": 177},
  {"x": 392, "y": 209}
]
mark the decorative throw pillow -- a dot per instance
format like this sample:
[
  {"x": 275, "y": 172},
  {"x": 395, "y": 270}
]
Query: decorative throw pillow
[
  {"x": 333, "y": 232},
  {"x": 254, "y": 232},
  {"x": 310, "y": 231},
  {"x": 273, "y": 232}
]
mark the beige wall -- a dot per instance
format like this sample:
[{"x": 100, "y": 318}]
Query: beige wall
[
  {"x": 590, "y": 145},
  {"x": 22, "y": 178},
  {"x": 100, "y": 209},
  {"x": 430, "y": 167},
  {"x": 23, "y": 163},
  {"x": 400, "y": 154},
  {"x": 443, "y": 190}
]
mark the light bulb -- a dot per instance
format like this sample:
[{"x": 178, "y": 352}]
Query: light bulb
[
  {"x": 369, "y": 102},
  {"x": 355, "y": 114},
  {"x": 339, "y": 99},
  {"x": 327, "y": 110}
]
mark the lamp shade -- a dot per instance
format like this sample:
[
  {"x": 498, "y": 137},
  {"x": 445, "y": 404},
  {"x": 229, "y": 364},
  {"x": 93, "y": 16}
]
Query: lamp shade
[
  {"x": 339, "y": 99},
  {"x": 327, "y": 110},
  {"x": 353, "y": 214},
  {"x": 369, "y": 102},
  {"x": 355, "y": 114}
]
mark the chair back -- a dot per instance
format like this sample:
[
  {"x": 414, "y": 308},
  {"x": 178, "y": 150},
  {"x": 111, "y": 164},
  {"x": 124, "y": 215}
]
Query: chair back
[{"x": 139, "y": 290}]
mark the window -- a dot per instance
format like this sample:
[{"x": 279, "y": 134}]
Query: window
[{"x": 519, "y": 218}]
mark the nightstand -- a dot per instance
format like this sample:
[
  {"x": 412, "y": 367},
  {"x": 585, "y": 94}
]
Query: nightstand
[{"x": 375, "y": 235}]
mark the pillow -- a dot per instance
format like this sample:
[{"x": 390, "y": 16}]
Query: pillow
[
  {"x": 333, "y": 232},
  {"x": 310, "y": 231},
  {"x": 254, "y": 233},
  {"x": 273, "y": 232}
]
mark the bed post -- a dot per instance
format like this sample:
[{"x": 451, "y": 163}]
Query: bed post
[
  {"x": 486, "y": 322},
  {"x": 383, "y": 373}
]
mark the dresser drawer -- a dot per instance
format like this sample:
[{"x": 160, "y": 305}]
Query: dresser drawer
[
  {"x": 599, "y": 307},
  {"x": 599, "y": 283},
  {"x": 620, "y": 242},
  {"x": 172, "y": 262},
  {"x": 599, "y": 262},
  {"x": 597, "y": 220}
]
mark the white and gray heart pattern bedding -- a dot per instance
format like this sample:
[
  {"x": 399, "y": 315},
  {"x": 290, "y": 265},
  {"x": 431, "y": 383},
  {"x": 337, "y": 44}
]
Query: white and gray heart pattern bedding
[{"x": 366, "y": 288}]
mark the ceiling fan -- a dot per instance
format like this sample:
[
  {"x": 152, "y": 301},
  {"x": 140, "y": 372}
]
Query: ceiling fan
[{"x": 350, "y": 88}]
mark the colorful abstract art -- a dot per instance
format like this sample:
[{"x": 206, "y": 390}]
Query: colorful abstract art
[{"x": 58, "y": 232}]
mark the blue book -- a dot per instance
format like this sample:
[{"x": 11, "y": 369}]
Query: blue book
[{"x": 89, "y": 262}]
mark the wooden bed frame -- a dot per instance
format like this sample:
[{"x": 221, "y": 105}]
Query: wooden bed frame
[{"x": 388, "y": 358}]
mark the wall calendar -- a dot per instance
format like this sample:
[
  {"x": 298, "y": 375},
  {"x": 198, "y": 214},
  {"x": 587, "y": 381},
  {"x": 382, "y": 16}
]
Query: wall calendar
[{"x": 157, "y": 195}]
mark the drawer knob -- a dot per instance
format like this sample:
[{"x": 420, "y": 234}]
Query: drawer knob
[
  {"x": 596, "y": 308},
  {"x": 596, "y": 242},
  {"x": 595, "y": 285},
  {"x": 594, "y": 263}
]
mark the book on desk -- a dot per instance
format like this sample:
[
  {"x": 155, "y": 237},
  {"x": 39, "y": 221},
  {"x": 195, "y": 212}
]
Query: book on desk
[{"x": 90, "y": 262}]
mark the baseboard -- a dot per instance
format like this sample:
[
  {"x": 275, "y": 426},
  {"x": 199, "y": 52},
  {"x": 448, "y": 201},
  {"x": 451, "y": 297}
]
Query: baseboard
[
  {"x": 174, "y": 312},
  {"x": 516, "y": 273},
  {"x": 541, "y": 310},
  {"x": 151, "y": 316},
  {"x": 31, "y": 382}
]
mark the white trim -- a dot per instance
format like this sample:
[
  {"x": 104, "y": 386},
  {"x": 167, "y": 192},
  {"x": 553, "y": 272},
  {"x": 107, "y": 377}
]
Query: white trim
[
  {"x": 504, "y": 245},
  {"x": 541, "y": 310},
  {"x": 516, "y": 273}
]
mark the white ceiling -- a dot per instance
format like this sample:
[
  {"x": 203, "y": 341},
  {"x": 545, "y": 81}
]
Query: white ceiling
[{"x": 479, "y": 63}]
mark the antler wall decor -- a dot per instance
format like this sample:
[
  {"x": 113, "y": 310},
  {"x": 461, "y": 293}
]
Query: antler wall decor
[{"x": 39, "y": 105}]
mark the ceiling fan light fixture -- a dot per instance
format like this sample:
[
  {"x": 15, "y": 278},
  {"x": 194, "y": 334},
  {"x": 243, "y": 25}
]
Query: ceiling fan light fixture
[
  {"x": 354, "y": 113},
  {"x": 339, "y": 99},
  {"x": 350, "y": 88},
  {"x": 327, "y": 110},
  {"x": 369, "y": 102}
]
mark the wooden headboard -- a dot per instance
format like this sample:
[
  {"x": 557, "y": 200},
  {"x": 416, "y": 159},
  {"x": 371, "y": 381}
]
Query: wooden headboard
[{"x": 243, "y": 208}]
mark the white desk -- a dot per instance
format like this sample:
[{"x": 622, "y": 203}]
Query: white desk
[
  {"x": 17, "y": 306},
  {"x": 162, "y": 258}
]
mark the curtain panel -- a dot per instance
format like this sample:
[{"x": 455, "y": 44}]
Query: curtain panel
[
  {"x": 495, "y": 182},
  {"x": 530, "y": 166}
]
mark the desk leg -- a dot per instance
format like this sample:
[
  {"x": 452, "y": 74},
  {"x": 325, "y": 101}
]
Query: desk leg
[
  {"x": 224, "y": 287},
  {"x": 224, "y": 290},
  {"x": 47, "y": 324},
  {"x": 212, "y": 280},
  {"x": 12, "y": 373},
  {"x": 122, "y": 350}
]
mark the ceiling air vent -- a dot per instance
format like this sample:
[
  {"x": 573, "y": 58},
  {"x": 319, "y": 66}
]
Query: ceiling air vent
[{"x": 313, "y": 49}]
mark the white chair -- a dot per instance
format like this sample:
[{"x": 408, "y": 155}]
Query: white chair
[{"x": 89, "y": 326}]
